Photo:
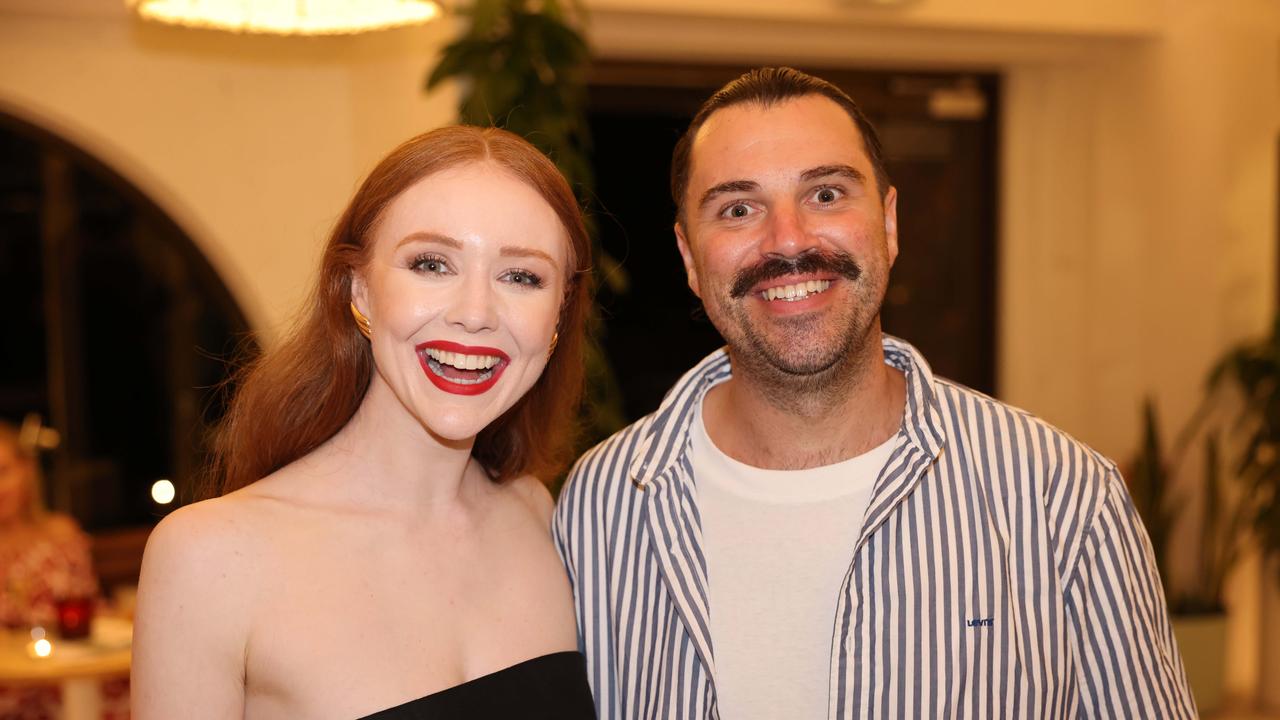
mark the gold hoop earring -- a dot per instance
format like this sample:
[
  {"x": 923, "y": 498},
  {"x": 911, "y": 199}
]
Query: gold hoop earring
[
  {"x": 555, "y": 338},
  {"x": 362, "y": 322}
]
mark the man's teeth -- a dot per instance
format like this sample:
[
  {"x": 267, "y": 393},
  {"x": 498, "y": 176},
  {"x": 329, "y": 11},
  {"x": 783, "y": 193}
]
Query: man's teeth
[
  {"x": 461, "y": 361},
  {"x": 797, "y": 291}
]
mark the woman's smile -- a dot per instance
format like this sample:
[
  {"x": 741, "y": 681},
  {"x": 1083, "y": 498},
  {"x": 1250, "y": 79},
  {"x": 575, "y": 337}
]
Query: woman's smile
[{"x": 461, "y": 369}]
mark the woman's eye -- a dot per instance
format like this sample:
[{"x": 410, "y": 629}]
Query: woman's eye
[
  {"x": 429, "y": 264},
  {"x": 524, "y": 277}
]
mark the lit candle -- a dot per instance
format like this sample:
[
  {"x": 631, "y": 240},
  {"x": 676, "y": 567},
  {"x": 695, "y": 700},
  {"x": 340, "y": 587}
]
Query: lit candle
[{"x": 41, "y": 648}]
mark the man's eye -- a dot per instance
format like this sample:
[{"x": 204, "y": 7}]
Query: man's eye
[
  {"x": 737, "y": 210},
  {"x": 827, "y": 195}
]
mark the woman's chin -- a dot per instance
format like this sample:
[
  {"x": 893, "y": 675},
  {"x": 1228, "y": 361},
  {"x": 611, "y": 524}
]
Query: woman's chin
[
  {"x": 460, "y": 419},
  {"x": 453, "y": 430}
]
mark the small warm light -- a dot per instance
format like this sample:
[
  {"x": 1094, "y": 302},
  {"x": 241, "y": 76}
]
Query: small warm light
[
  {"x": 289, "y": 17},
  {"x": 42, "y": 648},
  {"x": 162, "y": 492},
  {"x": 37, "y": 633}
]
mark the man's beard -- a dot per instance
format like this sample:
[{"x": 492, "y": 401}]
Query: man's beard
[{"x": 794, "y": 357}]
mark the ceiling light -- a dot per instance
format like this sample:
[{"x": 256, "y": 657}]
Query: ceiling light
[{"x": 289, "y": 17}]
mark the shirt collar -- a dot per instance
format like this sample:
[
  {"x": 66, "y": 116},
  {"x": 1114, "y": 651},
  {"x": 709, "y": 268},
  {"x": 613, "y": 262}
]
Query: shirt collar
[{"x": 667, "y": 437}]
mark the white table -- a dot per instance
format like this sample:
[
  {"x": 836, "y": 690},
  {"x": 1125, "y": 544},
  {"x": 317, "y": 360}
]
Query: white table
[{"x": 78, "y": 666}]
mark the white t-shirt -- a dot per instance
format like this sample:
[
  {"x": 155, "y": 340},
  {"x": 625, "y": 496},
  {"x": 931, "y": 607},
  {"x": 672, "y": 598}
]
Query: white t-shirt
[{"x": 778, "y": 544}]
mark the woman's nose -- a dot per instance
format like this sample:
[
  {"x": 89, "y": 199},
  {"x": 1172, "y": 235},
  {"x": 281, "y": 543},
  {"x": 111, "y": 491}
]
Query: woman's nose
[{"x": 474, "y": 306}]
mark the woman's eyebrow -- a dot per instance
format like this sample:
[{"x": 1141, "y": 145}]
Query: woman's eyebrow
[
  {"x": 517, "y": 251},
  {"x": 505, "y": 251},
  {"x": 422, "y": 236}
]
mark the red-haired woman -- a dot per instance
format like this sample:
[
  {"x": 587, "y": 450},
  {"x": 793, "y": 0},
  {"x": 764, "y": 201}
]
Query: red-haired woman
[{"x": 381, "y": 544}]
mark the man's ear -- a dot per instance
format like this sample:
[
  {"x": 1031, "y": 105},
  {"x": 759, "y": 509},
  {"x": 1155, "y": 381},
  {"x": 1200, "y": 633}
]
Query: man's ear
[
  {"x": 690, "y": 270},
  {"x": 891, "y": 223}
]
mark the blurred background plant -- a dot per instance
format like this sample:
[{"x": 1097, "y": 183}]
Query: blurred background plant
[
  {"x": 1210, "y": 495},
  {"x": 523, "y": 66},
  {"x": 1236, "y": 493},
  {"x": 1214, "y": 510},
  {"x": 1251, "y": 372},
  {"x": 1210, "y": 507}
]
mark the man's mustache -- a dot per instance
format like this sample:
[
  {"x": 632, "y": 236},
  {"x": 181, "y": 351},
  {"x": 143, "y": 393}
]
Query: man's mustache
[{"x": 810, "y": 261}]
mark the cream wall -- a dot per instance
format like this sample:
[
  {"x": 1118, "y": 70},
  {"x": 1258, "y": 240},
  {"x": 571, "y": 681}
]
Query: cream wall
[
  {"x": 252, "y": 144},
  {"x": 1092, "y": 17}
]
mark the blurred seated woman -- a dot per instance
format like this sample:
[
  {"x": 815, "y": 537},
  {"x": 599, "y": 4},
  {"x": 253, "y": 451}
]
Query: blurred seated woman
[
  {"x": 44, "y": 557},
  {"x": 381, "y": 545}
]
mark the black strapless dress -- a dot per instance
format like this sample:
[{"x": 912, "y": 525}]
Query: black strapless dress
[{"x": 551, "y": 687}]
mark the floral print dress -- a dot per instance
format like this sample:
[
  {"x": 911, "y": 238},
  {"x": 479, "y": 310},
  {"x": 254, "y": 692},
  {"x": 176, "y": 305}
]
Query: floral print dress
[{"x": 36, "y": 570}]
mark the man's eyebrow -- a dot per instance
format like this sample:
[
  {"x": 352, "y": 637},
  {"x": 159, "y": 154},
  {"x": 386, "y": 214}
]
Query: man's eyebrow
[
  {"x": 428, "y": 237},
  {"x": 516, "y": 251},
  {"x": 828, "y": 170},
  {"x": 727, "y": 187}
]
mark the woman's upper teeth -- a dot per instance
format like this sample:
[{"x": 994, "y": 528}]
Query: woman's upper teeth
[{"x": 463, "y": 361}]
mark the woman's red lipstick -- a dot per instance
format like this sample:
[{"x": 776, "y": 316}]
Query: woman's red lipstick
[{"x": 439, "y": 372}]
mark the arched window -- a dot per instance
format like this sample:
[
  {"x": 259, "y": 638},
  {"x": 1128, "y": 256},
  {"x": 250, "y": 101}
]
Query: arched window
[{"x": 117, "y": 330}]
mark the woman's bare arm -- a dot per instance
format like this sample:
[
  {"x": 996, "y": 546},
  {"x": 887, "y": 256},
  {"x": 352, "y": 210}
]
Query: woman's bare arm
[{"x": 190, "y": 632}]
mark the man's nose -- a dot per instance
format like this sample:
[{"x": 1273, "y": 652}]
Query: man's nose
[
  {"x": 474, "y": 305},
  {"x": 787, "y": 232}
]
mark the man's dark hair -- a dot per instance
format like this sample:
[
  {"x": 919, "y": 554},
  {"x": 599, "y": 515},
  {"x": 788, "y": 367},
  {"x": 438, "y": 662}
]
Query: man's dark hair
[{"x": 766, "y": 87}]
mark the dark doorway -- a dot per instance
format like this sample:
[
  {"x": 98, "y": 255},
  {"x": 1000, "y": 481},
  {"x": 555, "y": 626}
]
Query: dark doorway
[
  {"x": 119, "y": 332},
  {"x": 940, "y": 136}
]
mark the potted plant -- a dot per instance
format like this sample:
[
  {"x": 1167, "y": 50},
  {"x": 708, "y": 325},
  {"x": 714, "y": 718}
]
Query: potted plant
[
  {"x": 1253, "y": 371},
  {"x": 1217, "y": 514},
  {"x": 1236, "y": 496}
]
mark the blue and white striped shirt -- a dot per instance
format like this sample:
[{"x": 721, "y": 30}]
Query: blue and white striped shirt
[{"x": 1001, "y": 572}]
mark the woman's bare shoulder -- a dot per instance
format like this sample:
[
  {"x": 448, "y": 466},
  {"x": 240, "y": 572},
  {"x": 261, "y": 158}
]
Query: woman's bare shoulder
[
  {"x": 226, "y": 535},
  {"x": 239, "y": 525},
  {"x": 200, "y": 577},
  {"x": 210, "y": 536}
]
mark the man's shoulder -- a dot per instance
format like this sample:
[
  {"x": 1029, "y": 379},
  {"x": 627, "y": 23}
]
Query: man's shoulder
[
  {"x": 1010, "y": 428},
  {"x": 607, "y": 464},
  {"x": 657, "y": 435},
  {"x": 598, "y": 500},
  {"x": 971, "y": 418},
  {"x": 1023, "y": 457}
]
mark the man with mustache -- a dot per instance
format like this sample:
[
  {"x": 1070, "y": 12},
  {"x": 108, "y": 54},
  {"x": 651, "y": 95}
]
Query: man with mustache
[{"x": 813, "y": 525}]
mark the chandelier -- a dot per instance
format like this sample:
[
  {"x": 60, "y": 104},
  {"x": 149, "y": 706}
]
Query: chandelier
[{"x": 289, "y": 17}]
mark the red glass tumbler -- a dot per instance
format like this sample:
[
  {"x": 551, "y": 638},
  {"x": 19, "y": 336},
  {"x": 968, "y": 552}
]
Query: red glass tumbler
[{"x": 75, "y": 615}]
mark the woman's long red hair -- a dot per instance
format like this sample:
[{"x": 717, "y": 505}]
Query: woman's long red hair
[{"x": 300, "y": 393}]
